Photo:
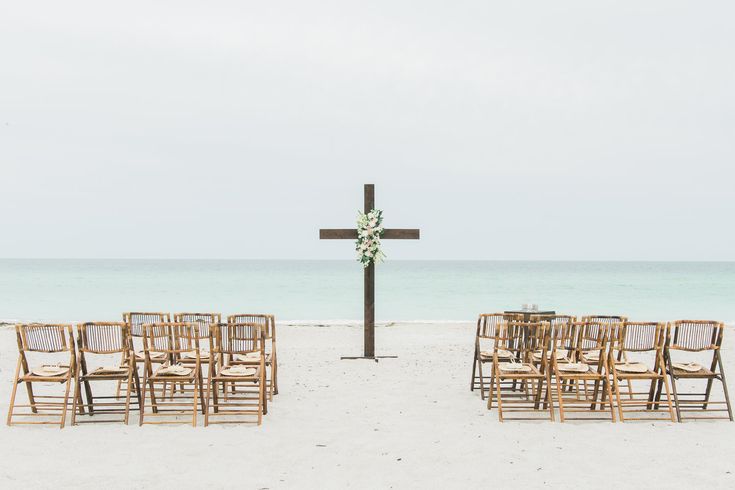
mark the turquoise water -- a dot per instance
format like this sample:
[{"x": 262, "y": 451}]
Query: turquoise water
[{"x": 77, "y": 290}]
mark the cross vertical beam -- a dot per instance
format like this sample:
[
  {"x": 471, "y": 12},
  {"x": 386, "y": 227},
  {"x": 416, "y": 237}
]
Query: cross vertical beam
[
  {"x": 369, "y": 271},
  {"x": 369, "y": 286}
]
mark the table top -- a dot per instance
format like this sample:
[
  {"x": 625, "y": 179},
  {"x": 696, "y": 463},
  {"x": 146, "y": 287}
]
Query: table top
[{"x": 528, "y": 312}]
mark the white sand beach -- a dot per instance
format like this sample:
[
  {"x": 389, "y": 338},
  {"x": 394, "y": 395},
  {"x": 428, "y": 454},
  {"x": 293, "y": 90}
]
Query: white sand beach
[{"x": 409, "y": 422}]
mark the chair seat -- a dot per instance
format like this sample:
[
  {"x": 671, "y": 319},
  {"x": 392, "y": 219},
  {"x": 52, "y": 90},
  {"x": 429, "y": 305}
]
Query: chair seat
[
  {"x": 251, "y": 357},
  {"x": 253, "y": 376},
  {"x": 702, "y": 373},
  {"x": 47, "y": 372},
  {"x": 529, "y": 370},
  {"x": 109, "y": 372},
  {"x": 502, "y": 354},
  {"x": 592, "y": 357},
  {"x": 155, "y": 356},
  {"x": 637, "y": 370},
  {"x": 161, "y": 373},
  {"x": 573, "y": 368},
  {"x": 560, "y": 356},
  {"x": 190, "y": 357}
]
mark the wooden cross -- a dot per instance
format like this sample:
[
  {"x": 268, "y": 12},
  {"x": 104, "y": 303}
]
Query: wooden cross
[{"x": 369, "y": 283}]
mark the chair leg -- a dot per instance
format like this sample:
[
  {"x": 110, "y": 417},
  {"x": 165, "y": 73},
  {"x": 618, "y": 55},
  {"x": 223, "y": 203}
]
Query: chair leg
[
  {"x": 672, "y": 377},
  {"x": 261, "y": 402},
  {"x": 11, "y": 408},
  {"x": 87, "y": 388},
  {"x": 724, "y": 385},
  {"x": 561, "y": 398},
  {"x": 201, "y": 392},
  {"x": 209, "y": 395},
  {"x": 500, "y": 400},
  {"x": 491, "y": 390},
  {"x": 127, "y": 397},
  {"x": 616, "y": 385},
  {"x": 264, "y": 395},
  {"x": 474, "y": 367},
  {"x": 548, "y": 395},
  {"x": 607, "y": 389},
  {"x": 31, "y": 399},
  {"x": 195, "y": 403},
  {"x": 65, "y": 401},
  {"x": 136, "y": 379},
  {"x": 215, "y": 397},
  {"x": 145, "y": 386},
  {"x": 77, "y": 396},
  {"x": 482, "y": 383}
]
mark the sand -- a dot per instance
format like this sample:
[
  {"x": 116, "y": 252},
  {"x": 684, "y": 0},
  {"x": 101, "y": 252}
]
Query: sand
[{"x": 400, "y": 423}]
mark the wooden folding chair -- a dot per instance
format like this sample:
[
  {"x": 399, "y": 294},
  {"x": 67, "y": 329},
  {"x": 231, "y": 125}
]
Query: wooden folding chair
[
  {"x": 172, "y": 340},
  {"x": 613, "y": 322},
  {"x": 487, "y": 325},
  {"x": 238, "y": 359},
  {"x": 696, "y": 340},
  {"x": 642, "y": 348},
  {"x": 46, "y": 347},
  {"x": 268, "y": 322},
  {"x": 205, "y": 321},
  {"x": 560, "y": 332},
  {"x": 585, "y": 361},
  {"x": 102, "y": 341},
  {"x": 528, "y": 381},
  {"x": 135, "y": 321}
]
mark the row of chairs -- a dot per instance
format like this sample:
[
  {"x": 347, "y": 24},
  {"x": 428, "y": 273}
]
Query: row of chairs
[
  {"x": 196, "y": 362},
  {"x": 599, "y": 367}
]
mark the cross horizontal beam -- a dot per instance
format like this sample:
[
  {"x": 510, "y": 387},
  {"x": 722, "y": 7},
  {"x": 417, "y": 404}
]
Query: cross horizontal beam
[{"x": 351, "y": 234}]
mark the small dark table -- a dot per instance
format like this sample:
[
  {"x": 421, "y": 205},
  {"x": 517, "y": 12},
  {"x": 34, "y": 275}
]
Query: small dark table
[{"x": 528, "y": 314}]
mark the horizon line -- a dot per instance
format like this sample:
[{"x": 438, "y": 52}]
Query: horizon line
[{"x": 234, "y": 259}]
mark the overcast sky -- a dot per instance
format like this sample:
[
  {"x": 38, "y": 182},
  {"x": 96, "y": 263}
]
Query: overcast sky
[{"x": 504, "y": 130}]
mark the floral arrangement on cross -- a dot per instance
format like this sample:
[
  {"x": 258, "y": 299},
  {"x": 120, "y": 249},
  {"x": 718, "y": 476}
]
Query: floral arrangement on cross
[{"x": 369, "y": 230}]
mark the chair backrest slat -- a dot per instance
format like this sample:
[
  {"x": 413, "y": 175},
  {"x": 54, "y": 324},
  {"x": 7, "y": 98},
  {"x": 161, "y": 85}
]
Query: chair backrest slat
[
  {"x": 265, "y": 321},
  {"x": 103, "y": 337},
  {"x": 697, "y": 335},
  {"x": 137, "y": 319},
  {"x": 239, "y": 338},
  {"x": 37, "y": 337},
  {"x": 640, "y": 336},
  {"x": 488, "y": 323},
  {"x": 204, "y": 320},
  {"x": 171, "y": 337}
]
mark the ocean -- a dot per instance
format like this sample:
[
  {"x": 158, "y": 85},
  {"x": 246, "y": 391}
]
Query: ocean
[{"x": 96, "y": 290}]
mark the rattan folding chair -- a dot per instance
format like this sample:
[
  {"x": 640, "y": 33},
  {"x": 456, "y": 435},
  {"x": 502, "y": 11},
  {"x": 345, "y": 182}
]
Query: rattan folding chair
[
  {"x": 642, "y": 347},
  {"x": 246, "y": 343},
  {"x": 613, "y": 322},
  {"x": 100, "y": 342},
  {"x": 487, "y": 325},
  {"x": 49, "y": 348},
  {"x": 560, "y": 332},
  {"x": 528, "y": 381},
  {"x": 135, "y": 321},
  {"x": 268, "y": 322},
  {"x": 205, "y": 322},
  {"x": 172, "y": 340},
  {"x": 689, "y": 341},
  {"x": 588, "y": 345}
]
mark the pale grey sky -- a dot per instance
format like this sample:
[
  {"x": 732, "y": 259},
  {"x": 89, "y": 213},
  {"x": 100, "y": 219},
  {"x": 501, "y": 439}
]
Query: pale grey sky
[{"x": 504, "y": 130}]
